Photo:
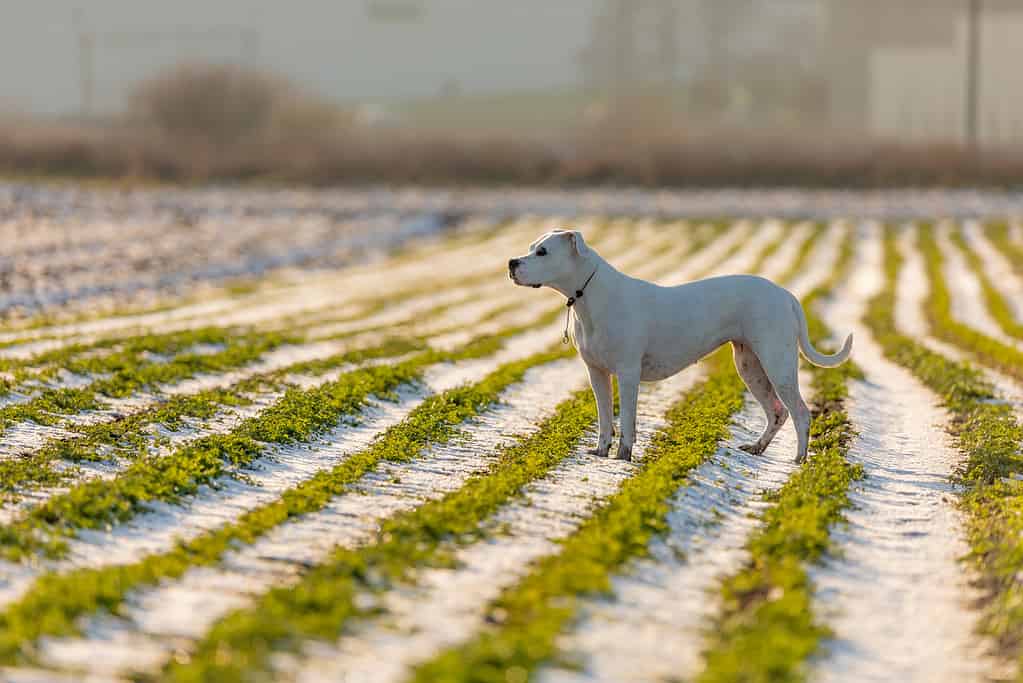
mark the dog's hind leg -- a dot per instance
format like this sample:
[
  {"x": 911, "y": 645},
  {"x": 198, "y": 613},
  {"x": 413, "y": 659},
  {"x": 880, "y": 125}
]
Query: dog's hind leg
[
  {"x": 600, "y": 382},
  {"x": 752, "y": 373},
  {"x": 782, "y": 368}
]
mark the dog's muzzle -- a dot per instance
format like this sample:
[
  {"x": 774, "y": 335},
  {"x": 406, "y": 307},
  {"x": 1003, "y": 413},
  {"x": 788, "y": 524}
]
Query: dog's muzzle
[{"x": 512, "y": 265}]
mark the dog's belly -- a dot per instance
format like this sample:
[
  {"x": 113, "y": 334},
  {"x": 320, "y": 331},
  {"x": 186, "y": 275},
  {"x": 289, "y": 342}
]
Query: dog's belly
[
  {"x": 669, "y": 356},
  {"x": 653, "y": 369}
]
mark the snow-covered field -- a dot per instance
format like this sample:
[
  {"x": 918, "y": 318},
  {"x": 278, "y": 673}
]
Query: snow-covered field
[{"x": 319, "y": 436}]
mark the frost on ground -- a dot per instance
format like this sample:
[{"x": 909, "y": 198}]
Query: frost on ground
[
  {"x": 166, "y": 618},
  {"x": 897, "y": 597},
  {"x": 447, "y": 604},
  {"x": 651, "y": 627}
]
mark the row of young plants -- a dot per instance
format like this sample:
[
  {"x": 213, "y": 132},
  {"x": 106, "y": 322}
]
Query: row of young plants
[
  {"x": 56, "y": 600},
  {"x": 128, "y": 438},
  {"x": 241, "y": 645},
  {"x": 995, "y": 303},
  {"x": 767, "y": 628},
  {"x": 123, "y": 438},
  {"x": 989, "y": 434},
  {"x": 802, "y": 257},
  {"x": 297, "y": 415},
  {"x": 132, "y": 374},
  {"x": 944, "y": 326},
  {"x": 524, "y": 622},
  {"x": 998, "y": 234}
]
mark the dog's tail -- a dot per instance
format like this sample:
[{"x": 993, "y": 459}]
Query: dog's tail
[{"x": 813, "y": 355}]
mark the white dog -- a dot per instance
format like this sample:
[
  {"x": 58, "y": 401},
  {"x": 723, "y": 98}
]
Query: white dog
[{"x": 639, "y": 331}]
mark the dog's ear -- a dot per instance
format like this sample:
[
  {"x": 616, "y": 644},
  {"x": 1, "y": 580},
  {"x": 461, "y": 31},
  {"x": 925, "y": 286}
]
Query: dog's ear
[{"x": 578, "y": 243}]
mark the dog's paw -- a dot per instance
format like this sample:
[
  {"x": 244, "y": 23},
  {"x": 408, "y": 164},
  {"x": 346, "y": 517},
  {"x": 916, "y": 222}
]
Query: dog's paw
[
  {"x": 751, "y": 448},
  {"x": 601, "y": 451},
  {"x": 624, "y": 452}
]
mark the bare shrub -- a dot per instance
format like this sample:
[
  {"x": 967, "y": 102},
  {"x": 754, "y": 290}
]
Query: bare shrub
[{"x": 226, "y": 105}]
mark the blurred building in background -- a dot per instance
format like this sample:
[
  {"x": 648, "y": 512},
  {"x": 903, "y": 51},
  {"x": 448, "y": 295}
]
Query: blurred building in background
[{"x": 927, "y": 70}]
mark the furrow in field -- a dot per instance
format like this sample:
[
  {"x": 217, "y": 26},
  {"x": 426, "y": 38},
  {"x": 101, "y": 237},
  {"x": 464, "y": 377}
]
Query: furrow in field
[
  {"x": 161, "y": 620},
  {"x": 435, "y": 421},
  {"x": 777, "y": 263},
  {"x": 70, "y": 458},
  {"x": 895, "y": 594},
  {"x": 1016, "y": 231},
  {"x": 228, "y": 517},
  {"x": 144, "y": 535},
  {"x": 709, "y": 258},
  {"x": 748, "y": 250},
  {"x": 158, "y": 441},
  {"x": 650, "y": 627},
  {"x": 998, "y": 268},
  {"x": 965, "y": 290},
  {"x": 26, "y": 436},
  {"x": 162, "y": 524},
  {"x": 385, "y": 648},
  {"x": 820, "y": 261},
  {"x": 911, "y": 296}
]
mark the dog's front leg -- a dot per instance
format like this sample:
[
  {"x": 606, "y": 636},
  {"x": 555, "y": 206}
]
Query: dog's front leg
[
  {"x": 600, "y": 381},
  {"x": 628, "y": 397}
]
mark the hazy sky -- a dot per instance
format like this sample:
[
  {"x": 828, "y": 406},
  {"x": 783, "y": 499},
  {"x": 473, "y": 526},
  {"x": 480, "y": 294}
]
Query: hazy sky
[{"x": 329, "y": 45}]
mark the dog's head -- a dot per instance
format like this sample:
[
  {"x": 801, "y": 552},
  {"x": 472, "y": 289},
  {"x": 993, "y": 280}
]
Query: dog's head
[{"x": 554, "y": 258}]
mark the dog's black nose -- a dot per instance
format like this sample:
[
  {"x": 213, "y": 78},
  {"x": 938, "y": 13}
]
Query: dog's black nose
[{"x": 513, "y": 264}]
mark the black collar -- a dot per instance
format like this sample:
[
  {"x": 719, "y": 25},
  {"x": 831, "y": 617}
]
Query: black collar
[{"x": 579, "y": 292}]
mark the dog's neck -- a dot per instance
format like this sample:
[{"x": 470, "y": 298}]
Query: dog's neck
[{"x": 586, "y": 307}]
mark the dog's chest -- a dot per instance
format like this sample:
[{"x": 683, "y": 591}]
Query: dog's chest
[{"x": 595, "y": 347}]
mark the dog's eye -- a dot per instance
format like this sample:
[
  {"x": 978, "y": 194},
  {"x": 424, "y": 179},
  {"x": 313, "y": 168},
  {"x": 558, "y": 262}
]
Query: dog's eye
[{"x": 541, "y": 252}]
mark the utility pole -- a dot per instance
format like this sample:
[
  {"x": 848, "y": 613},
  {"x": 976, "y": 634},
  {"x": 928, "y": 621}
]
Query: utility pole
[
  {"x": 86, "y": 57},
  {"x": 973, "y": 37}
]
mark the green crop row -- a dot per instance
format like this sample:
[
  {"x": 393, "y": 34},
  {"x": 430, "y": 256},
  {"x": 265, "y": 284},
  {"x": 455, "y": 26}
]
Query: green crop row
[
  {"x": 125, "y": 438},
  {"x": 767, "y": 628},
  {"x": 798, "y": 264},
  {"x": 299, "y": 414},
  {"x": 944, "y": 326},
  {"x": 996, "y": 304},
  {"x": 528, "y": 617},
  {"x": 989, "y": 434},
  {"x": 998, "y": 234},
  {"x": 241, "y": 645},
  {"x": 56, "y": 600}
]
